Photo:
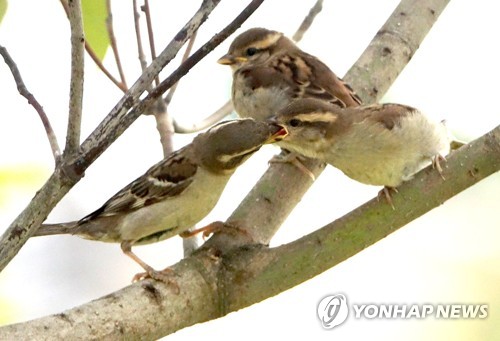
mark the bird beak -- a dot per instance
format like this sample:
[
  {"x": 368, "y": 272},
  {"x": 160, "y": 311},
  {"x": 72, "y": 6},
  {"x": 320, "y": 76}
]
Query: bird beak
[
  {"x": 230, "y": 60},
  {"x": 278, "y": 133}
]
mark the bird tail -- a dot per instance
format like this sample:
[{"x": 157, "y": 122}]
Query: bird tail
[{"x": 61, "y": 228}]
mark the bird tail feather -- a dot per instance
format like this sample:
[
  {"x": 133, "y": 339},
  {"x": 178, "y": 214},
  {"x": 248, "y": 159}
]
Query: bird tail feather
[{"x": 52, "y": 229}]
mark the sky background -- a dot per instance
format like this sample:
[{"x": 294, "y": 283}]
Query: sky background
[{"x": 449, "y": 255}]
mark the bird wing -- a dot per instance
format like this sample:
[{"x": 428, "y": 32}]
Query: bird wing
[
  {"x": 166, "y": 179},
  {"x": 388, "y": 115},
  {"x": 313, "y": 79}
]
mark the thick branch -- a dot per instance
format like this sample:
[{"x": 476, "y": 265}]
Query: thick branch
[
  {"x": 76, "y": 83},
  {"x": 212, "y": 287}
]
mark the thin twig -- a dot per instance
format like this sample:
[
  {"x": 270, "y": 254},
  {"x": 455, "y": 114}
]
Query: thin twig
[
  {"x": 114, "y": 45},
  {"x": 149, "y": 24},
  {"x": 228, "y": 107},
  {"x": 207, "y": 121},
  {"x": 95, "y": 58},
  {"x": 187, "y": 52},
  {"x": 77, "y": 76},
  {"x": 308, "y": 20},
  {"x": 137, "y": 26},
  {"x": 21, "y": 87},
  {"x": 100, "y": 65}
]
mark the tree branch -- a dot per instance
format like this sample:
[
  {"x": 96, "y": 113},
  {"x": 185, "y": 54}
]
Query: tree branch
[
  {"x": 149, "y": 25},
  {"x": 212, "y": 287},
  {"x": 23, "y": 91},
  {"x": 94, "y": 56},
  {"x": 68, "y": 174},
  {"x": 77, "y": 76},
  {"x": 137, "y": 26},
  {"x": 308, "y": 20},
  {"x": 114, "y": 45}
]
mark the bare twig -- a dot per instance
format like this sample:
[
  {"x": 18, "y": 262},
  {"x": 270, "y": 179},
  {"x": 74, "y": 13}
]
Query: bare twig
[
  {"x": 21, "y": 87},
  {"x": 308, "y": 20},
  {"x": 100, "y": 65},
  {"x": 149, "y": 25},
  {"x": 77, "y": 76},
  {"x": 206, "y": 122},
  {"x": 164, "y": 122},
  {"x": 187, "y": 52},
  {"x": 140, "y": 50},
  {"x": 114, "y": 45},
  {"x": 95, "y": 58},
  {"x": 228, "y": 107}
]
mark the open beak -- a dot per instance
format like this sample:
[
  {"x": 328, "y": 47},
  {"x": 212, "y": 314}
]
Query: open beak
[
  {"x": 278, "y": 133},
  {"x": 230, "y": 60}
]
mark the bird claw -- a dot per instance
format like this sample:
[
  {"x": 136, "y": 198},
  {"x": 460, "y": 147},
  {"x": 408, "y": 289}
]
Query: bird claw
[
  {"x": 294, "y": 159},
  {"x": 386, "y": 192},
  {"x": 436, "y": 164},
  {"x": 166, "y": 276}
]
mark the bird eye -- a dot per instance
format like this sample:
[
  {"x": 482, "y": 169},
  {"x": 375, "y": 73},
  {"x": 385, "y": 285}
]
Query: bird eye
[
  {"x": 294, "y": 122},
  {"x": 251, "y": 51}
]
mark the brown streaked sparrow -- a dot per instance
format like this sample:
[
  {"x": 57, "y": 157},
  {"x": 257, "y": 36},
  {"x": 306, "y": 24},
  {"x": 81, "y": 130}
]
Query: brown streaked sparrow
[
  {"x": 379, "y": 144},
  {"x": 269, "y": 71},
  {"x": 175, "y": 194}
]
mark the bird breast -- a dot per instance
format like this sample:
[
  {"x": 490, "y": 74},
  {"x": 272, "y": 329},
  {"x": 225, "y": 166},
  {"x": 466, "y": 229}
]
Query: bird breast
[
  {"x": 178, "y": 213},
  {"x": 260, "y": 102}
]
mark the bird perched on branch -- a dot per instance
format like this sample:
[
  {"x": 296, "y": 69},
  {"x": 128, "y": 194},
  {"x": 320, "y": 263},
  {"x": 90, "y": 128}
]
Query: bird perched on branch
[
  {"x": 269, "y": 71},
  {"x": 175, "y": 194},
  {"x": 380, "y": 144}
]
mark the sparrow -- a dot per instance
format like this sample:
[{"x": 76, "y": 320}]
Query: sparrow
[
  {"x": 174, "y": 194},
  {"x": 379, "y": 144},
  {"x": 269, "y": 71}
]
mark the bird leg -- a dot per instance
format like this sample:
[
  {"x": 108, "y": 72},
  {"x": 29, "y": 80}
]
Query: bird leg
[
  {"x": 294, "y": 159},
  {"x": 436, "y": 164},
  {"x": 215, "y": 227},
  {"x": 206, "y": 230},
  {"x": 386, "y": 192},
  {"x": 165, "y": 275}
]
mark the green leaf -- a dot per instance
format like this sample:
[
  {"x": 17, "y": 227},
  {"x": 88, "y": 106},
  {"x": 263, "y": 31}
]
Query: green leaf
[
  {"x": 3, "y": 9},
  {"x": 94, "y": 24}
]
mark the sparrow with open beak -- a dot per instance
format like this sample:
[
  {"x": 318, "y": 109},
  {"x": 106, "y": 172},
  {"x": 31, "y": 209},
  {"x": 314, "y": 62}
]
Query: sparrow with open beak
[
  {"x": 175, "y": 194},
  {"x": 380, "y": 144}
]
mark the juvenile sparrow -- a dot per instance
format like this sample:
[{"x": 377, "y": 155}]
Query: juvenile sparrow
[
  {"x": 175, "y": 194},
  {"x": 380, "y": 144},
  {"x": 269, "y": 71}
]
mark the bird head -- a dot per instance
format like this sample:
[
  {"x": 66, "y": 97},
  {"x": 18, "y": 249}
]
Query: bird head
[
  {"x": 254, "y": 46},
  {"x": 228, "y": 144}
]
